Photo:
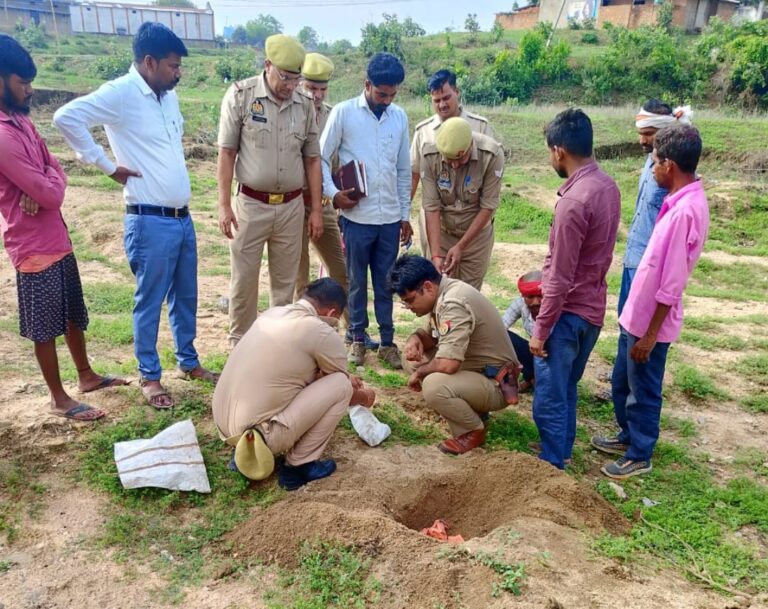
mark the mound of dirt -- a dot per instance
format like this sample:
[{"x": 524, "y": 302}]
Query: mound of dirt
[{"x": 378, "y": 504}]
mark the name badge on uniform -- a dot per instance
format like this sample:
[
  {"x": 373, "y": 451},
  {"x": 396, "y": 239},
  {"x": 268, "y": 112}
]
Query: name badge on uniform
[
  {"x": 444, "y": 181},
  {"x": 257, "y": 112}
]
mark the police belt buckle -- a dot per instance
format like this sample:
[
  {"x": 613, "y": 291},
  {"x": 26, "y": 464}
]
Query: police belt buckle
[{"x": 276, "y": 198}]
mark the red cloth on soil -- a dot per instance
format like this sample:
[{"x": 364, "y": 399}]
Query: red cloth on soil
[{"x": 439, "y": 531}]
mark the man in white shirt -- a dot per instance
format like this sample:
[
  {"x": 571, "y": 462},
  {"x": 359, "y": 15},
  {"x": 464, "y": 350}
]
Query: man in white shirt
[
  {"x": 140, "y": 114},
  {"x": 374, "y": 131}
]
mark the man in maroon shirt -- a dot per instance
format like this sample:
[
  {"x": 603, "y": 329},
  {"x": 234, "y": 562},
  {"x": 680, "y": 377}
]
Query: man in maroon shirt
[
  {"x": 32, "y": 188},
  {"x": 581, "y": 243}
]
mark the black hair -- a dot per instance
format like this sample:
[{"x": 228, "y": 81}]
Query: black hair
[
  {"x": 327, "y": 293},
  {"x": 681, "y": 144},
  {"x": 157, "y": 41},
  {"x": 410, "y": 272},
  {"x": 15, "y": 59},
  {"x": 657, "y": 107},
  {"x": 385, "y": 69},
  {"x": 572, "y": 130},
  {"x": 438, "y": 80}
]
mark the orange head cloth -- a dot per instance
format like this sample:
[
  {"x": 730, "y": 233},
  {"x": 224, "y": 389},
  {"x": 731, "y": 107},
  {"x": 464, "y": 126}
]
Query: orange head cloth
[{"x": 529, "y": 288}]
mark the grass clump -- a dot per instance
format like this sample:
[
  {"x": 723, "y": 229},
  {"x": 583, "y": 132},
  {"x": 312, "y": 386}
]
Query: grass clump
[
  {"x": 511, "y": 431},
  {"x": 754, "y": 368},
  {"x": 689, "y": 526},
  {"x": 756, "y": 403},
  {"x": 695, "y": 385},
  {"x": 404, "y": 429},
  {"x": 511, "y": 575},
  {"x": 19, "y": 491},
  {"x": 521, "y": 221},
  {"x": 329, "y": 575}
]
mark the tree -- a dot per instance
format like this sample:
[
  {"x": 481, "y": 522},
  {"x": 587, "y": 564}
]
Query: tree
[
  {"x": 387, "y": 36},
  {"x": 175, "y": 3},
  {"x": 411, "y": 28},
  {"x": 497, "y": 31},
  {"x": 472, "y": 25},
  {"x": 239, "y": 35},
  {"x": 261, "y": 28},
  {"x": 339, "y": 47},
  {"x": 308, "y": 38}
]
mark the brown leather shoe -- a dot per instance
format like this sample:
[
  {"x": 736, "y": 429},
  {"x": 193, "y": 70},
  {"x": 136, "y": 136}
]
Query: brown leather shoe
[{"x": 464, "y": 443}]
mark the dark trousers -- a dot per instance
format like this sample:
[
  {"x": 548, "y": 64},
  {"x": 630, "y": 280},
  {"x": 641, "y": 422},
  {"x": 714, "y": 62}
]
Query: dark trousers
[
  {"x": 523, "y": 354},
  {"x": 636, "y": 392},
  {"x": 557, "y": 375},
  {"x": 627, "y": 276},
  {"x": 371, "y": 246}
]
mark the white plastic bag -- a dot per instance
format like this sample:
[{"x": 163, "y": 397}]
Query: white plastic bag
[
  {"x": 372, "y": 431},
  {"x": 172, "y": 460}
]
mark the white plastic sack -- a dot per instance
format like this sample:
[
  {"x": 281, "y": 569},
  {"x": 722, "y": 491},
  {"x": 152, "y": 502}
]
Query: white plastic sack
[
  {"x": 372, "y": 431},
  {"x": 172, "y": 460}
]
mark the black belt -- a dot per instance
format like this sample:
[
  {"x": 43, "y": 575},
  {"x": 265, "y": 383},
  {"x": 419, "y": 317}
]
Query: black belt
[{"x": 157, "y": 210}]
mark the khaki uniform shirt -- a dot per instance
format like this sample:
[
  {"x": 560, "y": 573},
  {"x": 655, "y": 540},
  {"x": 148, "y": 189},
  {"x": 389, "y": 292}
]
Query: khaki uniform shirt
[
  {"x": 426, "y": 132},
  {"x": 468, "y": 328},
  {"x": 276, "y": 358},
  {"x": 460, "y": 194},
  {"x": 271, "y": 136}
]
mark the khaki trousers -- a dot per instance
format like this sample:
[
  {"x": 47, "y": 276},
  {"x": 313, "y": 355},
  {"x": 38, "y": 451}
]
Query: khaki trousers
[
  {"x": 474, "y": 260},
  {"x": 302, "y": 430},
  {"x": 459, "y": 397},
  {"x": 277, "y": 226},
  {"x": 328, "y": 248}
]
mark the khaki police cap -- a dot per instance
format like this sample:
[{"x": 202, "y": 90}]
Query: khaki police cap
[
  {"x": 285, "y": 52},
  {"x": 252, "y": 456},
  {"x": 454, "y": 138},
  {"x": 317, "y": 68}
]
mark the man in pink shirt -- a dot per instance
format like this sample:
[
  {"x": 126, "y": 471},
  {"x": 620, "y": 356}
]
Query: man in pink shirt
[
  {"x": 653, "y": 314},
  {"x": 32, "y": 188}
]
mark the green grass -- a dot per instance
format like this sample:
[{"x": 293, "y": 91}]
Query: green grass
[
  {"x": 755, "y": 403},
  {"x": 685, "y": 428},
  {"x": 696, "y": 385},
  {"x": 172, "y": 531},
  {"x": 606, "y": 347},
  {"x": 689, "y": 527},
  {"x": 510, "y": 431},
  {"x": 329, "y": 575},
  {"x": 736, "y": 281},
  {"x": 108, "y": 297},
  {"x": 112, "y": 330},
  {"x": 520, "y": 221},
  {"x": 387, "y": 379},
  {"x": 20, "y": 494},
  {"x": 404, "y": 429},
  {"x": 510, "y": 575},
  {"x": 754, "y": 368},
  {"x": 711, "y": 341}
]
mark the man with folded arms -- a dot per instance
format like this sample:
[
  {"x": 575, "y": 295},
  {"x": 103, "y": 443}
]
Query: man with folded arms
[
  {"x": 268, "y": 141},
  {"x": 653, "y": 314},
  {"x": 287, "y": 380},
  {"x": 35, "y": 236},
  {"x": 461, "y": 184},
  {"x": 572, "y": 312},
  {"x": 463, "y": 360},
  {"x": 140, "y": 114}
]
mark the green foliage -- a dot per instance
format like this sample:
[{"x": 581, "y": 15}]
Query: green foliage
[
  {"x": 510, "y": 431},
  {"x": 387, "y": 36},
  {"x": 497, "y": 31},
  {"x": 111, "y": 66},
  {"x": 256, "y": 31},
  {"x": 31, "y": 35},
  {"x": 308, "y": 37},
  {"x": 329, "y": 575},
  {"x": 696, "y": 385},
  {"x": 19, "y": 490},
  {"x": 590, "y": 38},
  {"x": 472, "y": 25},
  {"x": 511, "y": 574},
  {"x": 518, "y": 220},
  {"x": 411, "y": 28},
  {"x": 404, "y": 429},
  {"x": 179, "y": 3},
  {"x": 665, "y": 15},
  {"x": 339, "y": 47},
  {"x": 235, "y": 66}
]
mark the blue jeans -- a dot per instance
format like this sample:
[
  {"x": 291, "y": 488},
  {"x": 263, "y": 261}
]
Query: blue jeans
[
  {"x": 636, "y": 392},
  {"x": 162, "y": 254},
  {"x": 375, "y": 246},
  {"x": 554, "y": 398},
  {"x": 627, "y": 276},
  {"x": 523, "y": 352}
]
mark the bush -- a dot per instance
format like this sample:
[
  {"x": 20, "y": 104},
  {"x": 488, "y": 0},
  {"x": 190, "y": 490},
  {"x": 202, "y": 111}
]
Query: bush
[
  {"x": 111, "y": 66},
  {"x": 235, "y": 66},
  {"x": 574, "y": 24},
  {"x": 32, "y": 35},
  {"x": 589, "y": 38}
]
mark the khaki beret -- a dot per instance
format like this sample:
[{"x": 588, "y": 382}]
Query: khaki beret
[
  {"x": 285, "y": 52},
  {"x": 454, "y": 138},
  {"x": 317, "y": 68}
]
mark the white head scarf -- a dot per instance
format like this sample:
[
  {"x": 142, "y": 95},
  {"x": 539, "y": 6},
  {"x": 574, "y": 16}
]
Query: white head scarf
[{"x": 681, "y": 114}]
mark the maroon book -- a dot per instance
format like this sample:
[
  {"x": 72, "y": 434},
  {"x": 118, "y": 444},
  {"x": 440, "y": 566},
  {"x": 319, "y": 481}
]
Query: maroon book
[{"x": 352, "y": 175}]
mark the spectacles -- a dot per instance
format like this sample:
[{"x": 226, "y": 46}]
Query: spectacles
[
  {"x": 289, "y": 80},
  {"x": 409, "y": 300}
]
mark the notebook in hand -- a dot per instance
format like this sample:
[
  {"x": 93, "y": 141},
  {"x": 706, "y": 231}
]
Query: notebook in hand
[{"x": 352, "y": 175}]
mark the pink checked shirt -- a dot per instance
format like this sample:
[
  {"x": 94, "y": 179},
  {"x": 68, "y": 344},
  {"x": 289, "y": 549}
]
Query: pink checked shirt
[
  {"x": 26, "y": 167},
  {"x": 675, "y": 246}
]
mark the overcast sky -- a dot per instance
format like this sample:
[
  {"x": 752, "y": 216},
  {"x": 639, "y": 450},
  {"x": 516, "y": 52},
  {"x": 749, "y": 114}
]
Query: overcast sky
[{"x": 335, "y": 19}]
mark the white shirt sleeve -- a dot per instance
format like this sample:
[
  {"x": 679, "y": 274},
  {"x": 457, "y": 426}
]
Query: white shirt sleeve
[
  {"x": 329, "y": 144},
  {"x": 102, "y": 107},
  {"x": 404, "y": 173}
]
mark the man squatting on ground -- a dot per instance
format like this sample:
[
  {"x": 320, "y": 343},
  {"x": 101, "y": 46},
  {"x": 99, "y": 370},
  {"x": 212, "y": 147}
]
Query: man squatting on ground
[
  {"x": 581, "y": 242},
  {"x": 526, "y": 308},
  {"x": 653, "y": 314},
  {"x": 140, "y": 114},
  {"x": 287, "y": 379},
  {"x": 35, "y": 236},
  {"x": 463, "y": 360}
]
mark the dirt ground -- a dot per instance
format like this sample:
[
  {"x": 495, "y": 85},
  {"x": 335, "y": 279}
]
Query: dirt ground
[{"x": 502, "y": 503}]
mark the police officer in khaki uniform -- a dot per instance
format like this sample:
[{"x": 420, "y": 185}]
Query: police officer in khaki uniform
[
  {"x": 461, "y": 185},
  {"x": 457, "y": 358},
  {"x": 316, "y": 72},
  {"x": 446, "y": 102},
  {"x": 269, "y": 141},
  {"x": 287, "y": 378}
]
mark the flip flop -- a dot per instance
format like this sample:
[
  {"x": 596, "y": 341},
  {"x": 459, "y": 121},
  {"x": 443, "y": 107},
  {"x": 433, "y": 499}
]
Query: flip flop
[
  {"x": 151, "y": 395},
  {"x": 76, "y": 413},
  {"x": 106, "y": 381}
]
